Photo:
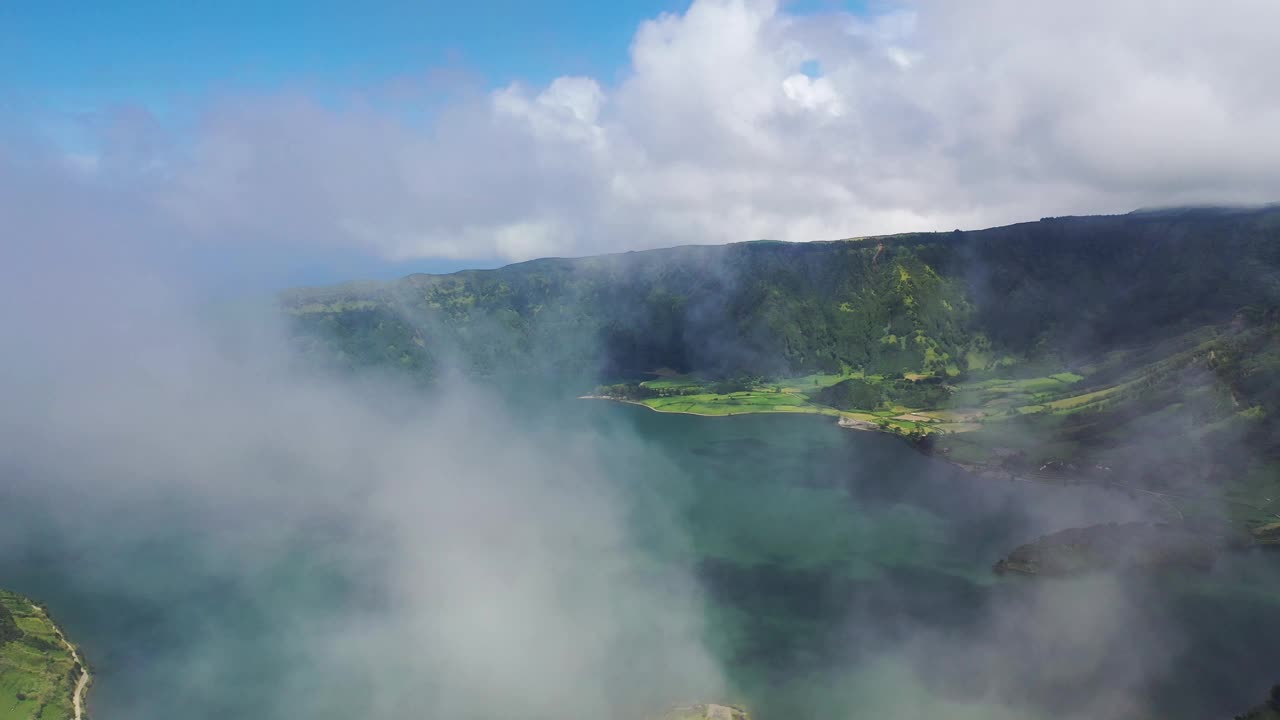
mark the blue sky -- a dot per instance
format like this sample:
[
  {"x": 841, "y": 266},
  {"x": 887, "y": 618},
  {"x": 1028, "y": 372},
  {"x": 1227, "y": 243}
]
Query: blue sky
[
  {"x": 325, "y": 141},
  {"x": 151, "y": 51},
  {"x": 148, "y": 49},
  {"x": 61, "y": 61}
]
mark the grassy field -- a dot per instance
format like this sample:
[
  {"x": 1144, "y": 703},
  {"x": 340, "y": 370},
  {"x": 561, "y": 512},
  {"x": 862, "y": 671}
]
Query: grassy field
[
  {"x": 737, "y": 403},
  {"x": 37, "y": 673},
  {"x": 972, "y": 403},
  {"x": 784, "y": 395},
  {"x": 672, "y": 382},
  {"x": 985, "y": 402}
]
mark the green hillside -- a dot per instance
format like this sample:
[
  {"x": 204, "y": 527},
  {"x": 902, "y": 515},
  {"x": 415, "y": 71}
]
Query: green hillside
[
  {"x": 1139, "y": 351},
  {"x": 38, "y": 672},
  {"x": 936, "y": 303}
]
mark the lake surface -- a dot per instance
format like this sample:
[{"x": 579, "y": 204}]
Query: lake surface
[{"x": 842, "y": 573}]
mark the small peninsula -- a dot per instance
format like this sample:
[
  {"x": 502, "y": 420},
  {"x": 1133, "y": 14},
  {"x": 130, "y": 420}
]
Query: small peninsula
[{"x": 42, "y": 675}]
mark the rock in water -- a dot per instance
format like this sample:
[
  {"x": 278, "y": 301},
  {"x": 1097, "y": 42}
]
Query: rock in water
[
  {"x": 1132, "y": 546},
  {"x": 709, "y": 711},
  {"x": 1267, "y": 534}
]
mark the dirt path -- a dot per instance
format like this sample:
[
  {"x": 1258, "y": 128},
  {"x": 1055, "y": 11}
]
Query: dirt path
[{"x": 82, "y": 685}]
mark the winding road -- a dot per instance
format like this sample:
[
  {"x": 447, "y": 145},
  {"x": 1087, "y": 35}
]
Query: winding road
[{"x": 82, "y": 685}]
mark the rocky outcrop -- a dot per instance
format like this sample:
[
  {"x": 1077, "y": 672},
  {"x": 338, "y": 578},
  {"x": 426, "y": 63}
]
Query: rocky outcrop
[{"x": 854, "y": 423}]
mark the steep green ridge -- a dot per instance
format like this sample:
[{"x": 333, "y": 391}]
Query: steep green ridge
[
  {"x": 38, "y": 673},
  {"x": 930, "y": 302},
  {"x": 1139, "y": 351},
  {"x": 758, "y": 307}
]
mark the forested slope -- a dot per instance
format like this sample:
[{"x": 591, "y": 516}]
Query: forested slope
[{"x": 934, "y": 303}]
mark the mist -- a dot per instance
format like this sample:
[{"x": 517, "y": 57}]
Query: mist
[
  {"x": 489, "y": 556},
  {"x": 356, "y": 545},
  {"x": 171, "y": 454},
  {"x": 243, "y": 534}
]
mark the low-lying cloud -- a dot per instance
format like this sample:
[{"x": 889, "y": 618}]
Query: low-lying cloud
[
  {"x": 487, "y": 561},
  {"x": 494, "y": 570},
  {"x": 261, "y": 538}
]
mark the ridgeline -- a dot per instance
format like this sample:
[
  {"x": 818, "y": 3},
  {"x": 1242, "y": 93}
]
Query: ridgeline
[{"x": 1137, "y": 351}]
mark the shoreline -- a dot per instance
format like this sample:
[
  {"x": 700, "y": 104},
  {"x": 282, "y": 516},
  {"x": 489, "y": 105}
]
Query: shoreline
[
  {"x": 80, "y": 691},
  {"x": 980, "y": 471}
]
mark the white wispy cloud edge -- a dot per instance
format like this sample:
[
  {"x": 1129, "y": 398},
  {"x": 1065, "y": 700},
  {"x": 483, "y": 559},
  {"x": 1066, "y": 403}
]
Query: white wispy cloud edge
[{"x": 926, "y": 115}]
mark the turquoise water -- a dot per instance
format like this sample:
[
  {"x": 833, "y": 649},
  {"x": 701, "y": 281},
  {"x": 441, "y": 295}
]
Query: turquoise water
[{"x": 842, "y": 573}]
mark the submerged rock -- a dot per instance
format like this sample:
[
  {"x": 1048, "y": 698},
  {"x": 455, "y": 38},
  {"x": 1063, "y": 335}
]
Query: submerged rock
[
  {"x": 1132, "y": 546},
  {"x": 709, "y": 711},
  {"x": 1267, "y": 534}
]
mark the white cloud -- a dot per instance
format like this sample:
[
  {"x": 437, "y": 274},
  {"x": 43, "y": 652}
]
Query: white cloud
[
  {"x": 929, "y": 115},
  {"x": 566, "y": 111},
  {"x": 812, "y": 94}
]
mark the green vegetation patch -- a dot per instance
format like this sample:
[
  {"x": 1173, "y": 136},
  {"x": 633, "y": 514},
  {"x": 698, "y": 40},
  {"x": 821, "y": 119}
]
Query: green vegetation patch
[
  {"x": 1085, "y": 399},
  {"x": 734, "y": 403},
  {"x": 9, "y": 630},
  {"x": 37, "y": 672},
  {"x": 674, "y": 382},
  {"x": 814, "y": 382},
  {"x": 851, "y": 394}
]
